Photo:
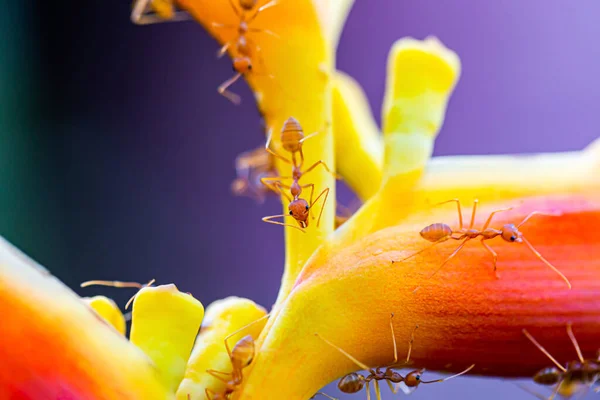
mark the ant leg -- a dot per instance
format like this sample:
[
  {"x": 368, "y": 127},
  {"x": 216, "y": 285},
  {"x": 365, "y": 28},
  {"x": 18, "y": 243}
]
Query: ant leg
[
  {"x": 424, "y": 249},
  {"x": 351, "y": 358},
  {"x": 460, "y": 217},
  {"x": 321, "y": 162},
  {"x": 276, "y": 185},
  {"x": 223, "y": 50},
  {"x": 531, "y": 392},
  {"x": 117, "y": 284},
  {"x": 450, "y": 257},
  {"x": 475, "y": 202},
  {"x": 377, "y": 390},
  {"x": 543, "y": 350},
  {"x": 574, "y": 340},
  {"x": 410, "y": 343},
  {"x": 493, "y": 253},
  {"x": 270, "y": 4},
  {"x": 558, "y": 214},
  {"x": 235, "y": 10},
  {"x": 552, "y": 267},
  {"x": 240, "y": 330},
  {"x": 305, "y": 138},
  {"x": 222, "y": 89},
  {"x": 451, "y": 377},
  {"x": 133, "y": 297},
  {"x": 215, "y": 374},
  {"x": 270, "y": 217},
  {"x": 326, "y": 192},
  {"x": 395, "y": 389},
  {"x": 555, "y": 392},
  {"x": 489, "y": 220},
  {"x": 394, "y": 340},
  {"x": 272, "y": 152},
  {"x": 368, "y": 391},
  {"x": 210, "y": 395},
  {"x": 324, "y": 394}
]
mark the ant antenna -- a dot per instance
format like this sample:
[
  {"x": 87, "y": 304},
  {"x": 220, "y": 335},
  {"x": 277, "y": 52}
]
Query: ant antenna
[
  {"x": 350, "y": 357},
  {"x": 453, "y": 376},
  {"x": 543, "y": 350},
  {"x": 552, "y": 267},
  {"x": 574, "y": 341}
]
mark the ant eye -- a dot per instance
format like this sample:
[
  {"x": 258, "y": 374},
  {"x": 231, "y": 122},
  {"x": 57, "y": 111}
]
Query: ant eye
[
  {"x": 418, "y": 377},
  {"x": 291, "y": 212},
  {"x": 250, "y": 67},
  {"x": 513, "y": 238},
  {"x": 306, "y": 208}
]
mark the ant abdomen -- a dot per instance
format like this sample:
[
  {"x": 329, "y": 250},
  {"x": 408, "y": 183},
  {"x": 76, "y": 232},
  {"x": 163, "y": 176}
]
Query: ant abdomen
[
  {"x": 436, "y": 232},
  {"x": 351, "y": 383},
  {"x": 291, "y": 135}
]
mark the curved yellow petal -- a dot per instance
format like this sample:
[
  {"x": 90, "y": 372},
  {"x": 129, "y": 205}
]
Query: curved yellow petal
[
  {"x": 223, "y": 317},
  {"x": 164, "y": 324},
  {"x": 108, "y": 310},
  {"x": 421, "y": 78},
  {"x": 358, "y": 145},
  {"x": 58, "y": 347}
]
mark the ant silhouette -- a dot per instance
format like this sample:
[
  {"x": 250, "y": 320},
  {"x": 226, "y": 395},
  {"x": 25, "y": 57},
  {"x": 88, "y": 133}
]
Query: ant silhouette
[
  {"x": 250, "y": 167},
  {"x": 243, "y": 46},
  {"x": 566, "y": 378},
  {"x": 120, "y": 284},
  {"x": 241, "y": 356},
  {"x": 292, "y": 138},
  {"x": 439, "y": 232},
  {"x": 354, "y": 382}
]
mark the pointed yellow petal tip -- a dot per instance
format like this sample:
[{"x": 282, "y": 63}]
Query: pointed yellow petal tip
[
  {"x": 421, "y": 77},
  {"x": 165, "y": 323},
  {"x": 108, "y": 310},
  {"x": 223, "y": 317}
]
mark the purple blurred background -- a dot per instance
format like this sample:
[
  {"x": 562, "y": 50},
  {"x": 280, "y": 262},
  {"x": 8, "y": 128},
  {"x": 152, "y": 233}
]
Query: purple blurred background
[{"x": 118, "y": 152}]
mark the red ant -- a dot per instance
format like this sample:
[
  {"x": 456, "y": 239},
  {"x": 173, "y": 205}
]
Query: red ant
[
  {"x": 440, "y": 232},
  {"x": 354, "y": 382},
  {"x": 292, "y": 138},
  {"x": 583, "y": 371},
  {"x": 164, "y": 12},
  {"x": 119, "y": 284},
  {"x": 241, "y": 356},
  {"x": 242, "y": 61}
]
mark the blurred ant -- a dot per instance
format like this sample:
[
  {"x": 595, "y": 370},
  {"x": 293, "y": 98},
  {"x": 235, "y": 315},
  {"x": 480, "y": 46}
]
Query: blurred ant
[
  {"x": 354, "y": 382},
  {"x": 440, "y": 232},
  {"x": 574, "y": 373},
  {"x": 292, "y": 138},
  {"x": 243, "y": 46},
  {"x": 119, "y": 284},
  {"x": 241, "y": 356},
  {"x": 251, "y": 166},
  {"x": 163, "y": 11}
]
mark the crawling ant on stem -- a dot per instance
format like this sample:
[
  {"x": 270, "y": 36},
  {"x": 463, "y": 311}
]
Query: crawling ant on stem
[
  {"x": 241, "y": 356},
  {"x": 439, "y": 232},
  {"x": 354, "y": 382},
  {"x": 292, "y": 138},
  {"x": 583, "y": 371},
  {"x": 120, "y": 284},
  {"x": 243, "y": 46}
]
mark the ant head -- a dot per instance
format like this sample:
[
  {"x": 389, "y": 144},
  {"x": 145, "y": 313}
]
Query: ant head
[
  {"x": 299, "y": 210},
  {"x": 247, "y": 5},
  {"x": 548, "y": 376},
  {"x": 511, "y": 233},
  {"x": 242, "y": 65},
  {"x": 351, "y": 383},
  {"x": 413, "y": 379}
]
